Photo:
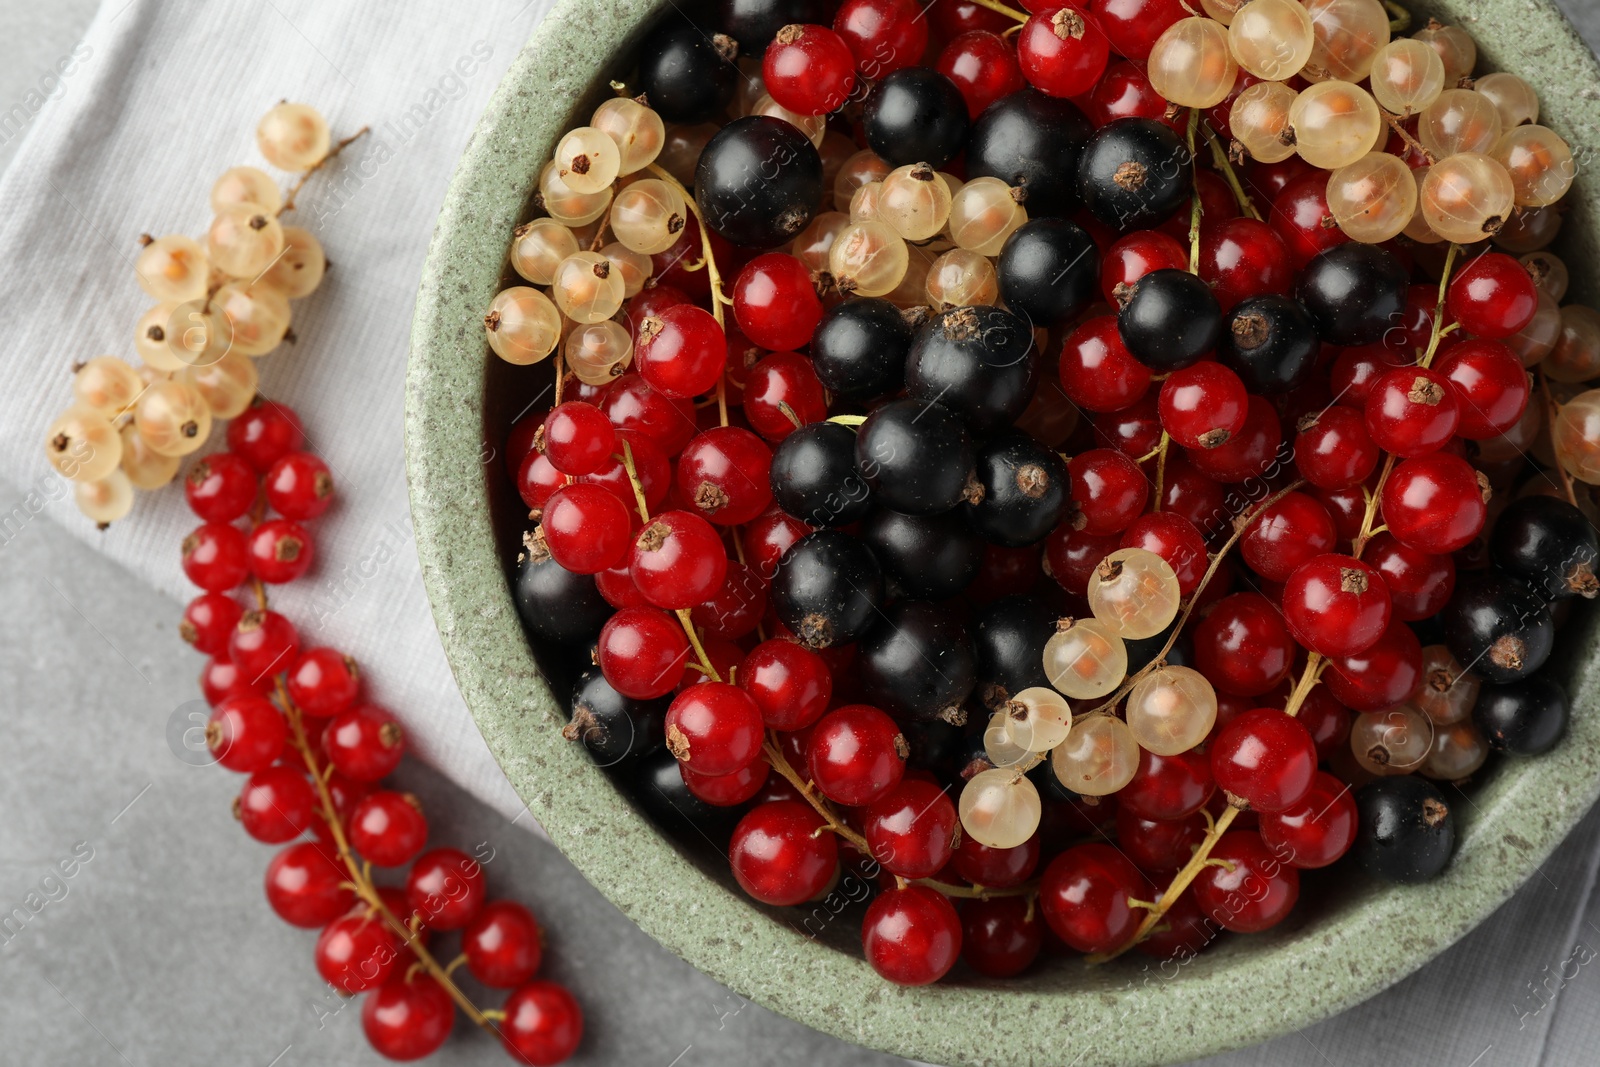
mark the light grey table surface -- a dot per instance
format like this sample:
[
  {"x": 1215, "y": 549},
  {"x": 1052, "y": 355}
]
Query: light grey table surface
[{"x": 161, "y": 950}]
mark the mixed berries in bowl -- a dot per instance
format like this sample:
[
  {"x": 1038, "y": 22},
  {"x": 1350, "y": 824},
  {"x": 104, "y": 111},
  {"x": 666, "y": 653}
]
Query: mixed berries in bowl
[{"x": 1000, "y": 489}]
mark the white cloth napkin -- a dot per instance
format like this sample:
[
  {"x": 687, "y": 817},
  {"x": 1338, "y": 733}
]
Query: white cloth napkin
[{"x": 157, "y": 101}]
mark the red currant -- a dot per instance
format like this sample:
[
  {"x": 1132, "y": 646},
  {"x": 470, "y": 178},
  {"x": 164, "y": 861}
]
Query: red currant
[
  {"x": 265, "y": 433},
  {"x": 724, "y": 474},
  {"x": 306, "y": 887},
  {"x": 357, "y": 951},
  {"x": 677, "y": 560},
  {"x": 996, "y": 868},
  {"x": 779, "y": 857},
  {"x": 1132, "y": 26},
  {"x": 1131, "y": 258},
  {"x": 1167, "y": 787},
  {"x": 910, "y": 828},
  {"x": 983, "y": 65},
  {"x": 783, "y": 393},
  {"x": 280, "y": 551},
  {"x": 1251, "y": 889},
  {"x": 883, "y": 35},
  {"x": 790, "y": 684},
  {"x": 735, "y": 609},
  {"x": 1159, "y": 846},
  {"x": 642, "y": 653},
  {"x": 810, "y": 71},
  {"x": 1411, "y": 411},
  {"x": 1203, "y": 406},
  {"x": 1298, "y": 218},
  {"x": 323, "y": 682},
  {"x": 714, "y": 728},
  {"x": 727, "y": 790},
  {"x": 1435, "y": 503},
  {"x": 1336, "y": 605},
  {"x": 220, "y": 679},
  {"x": 1173, "y": 538},
  {"x": 277, "y": 804},
  {"x": 1097, "y": 371},
  {"x": 1062, "y": 51},
  {"x": 364, "y": 743},
  {"x": 681, "y": 351},
  {"x": 1382, "y": 676},
  {"x": 953, "y": 17},
  {"x": 1247, "y": 454},
  {"x": 1108, "y": 491},
  {"x": 543, "y": 1024},
  {"x": 1492, "y": 296},
  {"x": 1194, "y": 496},
  {"x": 503, "y": 944},
  {"x": 388, "y": 828},
  {"x": 1085, "y": 897},
  {"x": 1285, "y": 534},
  {"x": 1318, "y": 830},
  {"x": 446, "y": 886},
  {"x": 1419, "y": 584},
  {"x": 299, "y": 486},
  {"x": 208, "y": 622},
  {"x": 1490, "y": 387},
  {"x": 578, "y": 438},
  {"x": 1266, "y": 759},
  {"x": 246, "y": 733},
  {"x": 408, "y": 1017},
  {"x": 1241, "y": 258},
  {"x": 912, "y": 936},
  {"x": 774, "y": 301},
  {"x": 650, "y": 467},
  {"x": 631, "y": 404},
  {"x": 216, "y": 557},
  {"x": 586, "y": 528},
  {"x": 520, "y": 441},
  {"x": 856, "y": 754},
  {"x": 1242, "y": 647},
  {"x": 221, "y": 487},
  {"x": 1134, "y": 430},
  {"x": 1000, "y": 937},
  {"x": 1333, "y": 449}
]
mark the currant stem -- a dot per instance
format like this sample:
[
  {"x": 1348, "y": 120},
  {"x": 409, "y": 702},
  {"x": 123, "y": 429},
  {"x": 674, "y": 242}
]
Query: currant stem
[
  {"x": 1161, "y": 468},
  {"x": 1360, "y": 544},
  {"x": 644, "y": 516},
  {"x": 1411, "y": 142},
  {"x": 1239, "y": 527},
  {"x": 699, "y": 649},
  {"x": 1194, "y": 209},
  {"x": 995, "y": 5},
  {"x": 294, "y": 190},
  {"x": 717, "y": 297},
  {"x": 633, "y": 480},
  {"x": 1402, "y": 18},
  {"x": 1438, "y": 311},
  {"x": 1219, "y": 158}
]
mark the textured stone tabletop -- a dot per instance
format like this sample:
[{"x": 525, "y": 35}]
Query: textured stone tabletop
[{"x": 158, "y": 948}]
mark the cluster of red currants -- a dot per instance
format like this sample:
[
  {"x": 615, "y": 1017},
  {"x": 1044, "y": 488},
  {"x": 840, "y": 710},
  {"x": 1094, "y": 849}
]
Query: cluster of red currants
[
  {"x": 293, "y": 719},
  {"x": 1024, "y": 402}
]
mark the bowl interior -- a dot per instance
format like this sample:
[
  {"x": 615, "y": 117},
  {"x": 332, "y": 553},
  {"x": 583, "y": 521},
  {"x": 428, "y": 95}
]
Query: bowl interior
[{"x": 1340, "y": 946}]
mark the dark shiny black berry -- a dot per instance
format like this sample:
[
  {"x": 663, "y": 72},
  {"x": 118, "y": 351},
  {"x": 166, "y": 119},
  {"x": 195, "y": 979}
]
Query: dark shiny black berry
[
  {"x": 658, "y": 784},
  {"x": 1034, "y": 142},
  {"x": 935, "y": 746},
  {"x": 1548, "y": 544},
  {"x": 686, "y": 74},
  {"x": 1009, "y": 638},
  {"x": 1354, "y": 293},
  {"x": 917, "y": 661},
  {"x": 1024, "y": 491},
  {"x": 1523, "y": 718},
  {"x": 859, "y": 348},
  {"x": 758, "y": 181},
  {"x": 979, "y": 362},
  {"x": 916, "y": 456},
  {"x": 754, "y": 23},
  {"x": 1270, "y": 343},
  {"x": 1407, "y": 831},
  {"x": 611, "y": 726},
  {"x": 924, "y": 557},
  {"x": 1049, "y": 271},
  {"x": 1498, "y": 625},
  {"x": 1171, "y": 319},
  {"x": 1142, "y": 651},
  {"x": 814, "y": 476},
  {"x": 1135, "y": 173},
  {"x": 915, "y": 115},
  {"x": 827, "y": 589},
  {"x": 557, "y": 605}
]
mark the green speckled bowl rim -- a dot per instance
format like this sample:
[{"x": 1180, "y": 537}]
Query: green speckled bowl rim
[{"x": 1243, "y": 991}]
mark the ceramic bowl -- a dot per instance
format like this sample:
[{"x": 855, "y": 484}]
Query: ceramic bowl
[{"x": 1337, "y": 949}]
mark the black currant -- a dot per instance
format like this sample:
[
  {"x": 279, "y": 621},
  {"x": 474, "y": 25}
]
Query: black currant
[
  {"x": 611, "y": 726},
  {"x": 827, "y": 589},
  {"x": 658, "y": 784},
  {"x": 980, "y": 362},
  {"x": 1498, "y": 626},
  {"x": 1354, "y": 293},
  {"x": 916, "y": 661},
  {"x": 1134, "y": 174},
  {"x": 754, "y": 23},
  {"x": 1407, "y": 831},
  {"x": 1523, "y": 718},
  {"x": 1171, "y": 319},
  {"x": 686, "y": 74},
  {"x": 758, "y": 181},
  {"x": 935, "y": 746},
  {"x": 927, "y": 557},
  {"x": 814, "y": 476},
  {"x": 859, "y": 348},
  {"x": 556, "y": 604},
  {"x": 1009, "y": 639},
  {"x": 1142, "y": 651},
  {"x": 915, "y": 115},
  {"x": 1049, "y": 271},
  {"x": 916, "y": 456},
  {"x": 1032, "y": 141},
  {"x": 1024, "y": 491},
  {"x": 1549, "y": 544},
  {"x": 1270, "y": 343}
]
